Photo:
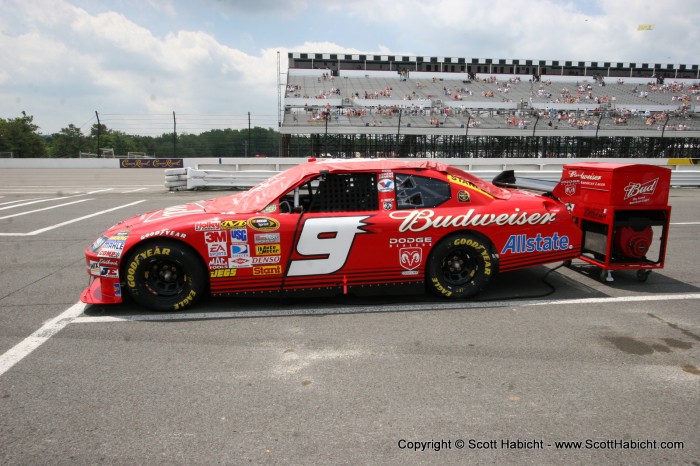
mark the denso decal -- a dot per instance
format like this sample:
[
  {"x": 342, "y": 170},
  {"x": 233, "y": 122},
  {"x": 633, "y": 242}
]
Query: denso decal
[
  {"x": 267, "y": 270},
  {"x": 209, "y": 225},
  {"x": 410, "y": 258},
  {"x": 239, "y": 235},
  {"x": 171, "y": 212},
  {"x": 263, "y": 224},
  {"x": 421, "y": 220},
  {"x": 266, "y": 238},
  {"x": 266, "y": 260},
  {"x": 175, "y": 234},
  {"x": 232, "y": 224},
  {"x": 522, "y": 243},
  {"x": 633, "y": 190}
]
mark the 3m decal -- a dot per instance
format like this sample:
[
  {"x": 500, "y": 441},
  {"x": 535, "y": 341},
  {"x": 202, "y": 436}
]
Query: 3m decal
[
  {"x": 522, "y": 243},
  {"x": 421, "y": 220},
  {"x": 216, "y": 236},
  {"x": 327, "y": 243}
]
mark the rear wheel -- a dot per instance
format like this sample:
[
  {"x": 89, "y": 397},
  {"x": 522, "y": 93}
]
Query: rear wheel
[
  {"x": 165, "y": 276},
  {"x": 460, "y": 266}
]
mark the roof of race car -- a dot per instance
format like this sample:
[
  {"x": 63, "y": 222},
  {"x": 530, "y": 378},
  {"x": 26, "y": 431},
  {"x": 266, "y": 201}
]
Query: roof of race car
[{"x": 261, "y": 195}]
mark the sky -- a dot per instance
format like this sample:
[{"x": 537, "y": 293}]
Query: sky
[{"x": 214, "y": 62}]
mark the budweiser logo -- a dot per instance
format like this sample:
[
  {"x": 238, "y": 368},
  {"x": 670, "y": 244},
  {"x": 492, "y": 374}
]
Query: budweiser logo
[{"x": 638, "y": 189}]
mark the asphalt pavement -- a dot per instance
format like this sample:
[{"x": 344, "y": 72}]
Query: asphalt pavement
[{"x": 549, "y": 366}]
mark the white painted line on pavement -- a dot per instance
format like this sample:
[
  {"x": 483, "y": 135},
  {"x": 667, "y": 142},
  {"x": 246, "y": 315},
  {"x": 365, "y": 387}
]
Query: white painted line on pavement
[
  {"x": 38, "y": 338},
  {"x": 46, "y": 199},
  {"x": 18, "y": 200},
  {"x": 68, "y": 222},
  {"x": 284, "y": 311},
  {"x": 133, "y": 190},
  {"x": 45, "y": 208},
  {"x": 686, "y": 223}
]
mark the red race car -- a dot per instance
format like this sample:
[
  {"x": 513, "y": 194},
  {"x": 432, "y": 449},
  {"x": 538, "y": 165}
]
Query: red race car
[{"x": 336, "y": 226}]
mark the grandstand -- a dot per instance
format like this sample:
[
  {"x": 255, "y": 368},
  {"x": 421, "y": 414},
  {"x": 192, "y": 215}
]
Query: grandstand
[{"x": 413, "y": 106}]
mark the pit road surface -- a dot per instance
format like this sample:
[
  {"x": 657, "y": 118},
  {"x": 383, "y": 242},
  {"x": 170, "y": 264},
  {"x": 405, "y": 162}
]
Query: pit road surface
[{"x": 335, "y": 381}]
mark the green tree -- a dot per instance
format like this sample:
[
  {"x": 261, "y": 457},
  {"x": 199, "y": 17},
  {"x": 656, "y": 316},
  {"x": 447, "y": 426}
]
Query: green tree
[
  {"x": 69, "y": 142},
  {"x": 20, "y": 136}
]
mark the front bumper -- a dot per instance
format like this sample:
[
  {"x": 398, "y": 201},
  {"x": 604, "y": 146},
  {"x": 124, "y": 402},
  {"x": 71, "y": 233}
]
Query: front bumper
[{"x": 100, "y": 292}]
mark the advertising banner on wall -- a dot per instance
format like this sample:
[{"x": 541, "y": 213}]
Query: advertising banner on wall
[{"x": 151, "y": 163}]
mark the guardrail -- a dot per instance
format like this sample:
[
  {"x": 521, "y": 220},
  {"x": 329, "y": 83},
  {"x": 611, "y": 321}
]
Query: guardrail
[{"x": 244, "y": 175}]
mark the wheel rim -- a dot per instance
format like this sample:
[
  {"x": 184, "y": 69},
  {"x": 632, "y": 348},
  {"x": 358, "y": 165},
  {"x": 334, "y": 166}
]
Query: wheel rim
[
  {"x": 164, "y": 278},
  {"x": 459, "y": 267}
]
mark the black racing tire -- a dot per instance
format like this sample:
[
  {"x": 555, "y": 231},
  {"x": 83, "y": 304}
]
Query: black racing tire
[
  {"x": 165, "y": 275},
  {"x": 460, "y": 266}
]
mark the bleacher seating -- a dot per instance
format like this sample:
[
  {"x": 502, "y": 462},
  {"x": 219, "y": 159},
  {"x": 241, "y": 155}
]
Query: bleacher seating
[{"x": 486, "y": 103}]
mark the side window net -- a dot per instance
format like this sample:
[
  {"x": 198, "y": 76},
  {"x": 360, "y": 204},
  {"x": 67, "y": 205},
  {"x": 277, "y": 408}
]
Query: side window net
[
  {"x": 345, "y": 192},
  {"x": 413, "y": 191}
]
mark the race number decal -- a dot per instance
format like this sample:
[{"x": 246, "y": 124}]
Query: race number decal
[{"x": 328, "y": 242}]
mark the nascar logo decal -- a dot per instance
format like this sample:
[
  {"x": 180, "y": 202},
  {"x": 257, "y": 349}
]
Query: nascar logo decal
[{"x": 263, "y": 224}]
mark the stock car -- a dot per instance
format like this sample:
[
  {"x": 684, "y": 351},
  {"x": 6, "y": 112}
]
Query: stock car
[{"x": 330, "y": 227}]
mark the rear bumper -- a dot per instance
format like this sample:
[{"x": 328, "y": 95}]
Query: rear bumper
[{"x": 102, "y": 291}]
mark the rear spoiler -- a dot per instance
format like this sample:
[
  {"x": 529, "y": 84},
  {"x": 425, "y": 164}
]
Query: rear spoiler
[{"x": 506, "y": 179}]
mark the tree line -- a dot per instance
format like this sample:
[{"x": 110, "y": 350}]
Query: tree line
[{"x": 21, "y": 137}]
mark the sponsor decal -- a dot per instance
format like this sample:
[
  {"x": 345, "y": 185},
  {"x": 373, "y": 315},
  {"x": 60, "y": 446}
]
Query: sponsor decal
[
  {"x": 109, "y": 263},
  {"x": 517, "y": 244},
  {"x": 223, "y": 273},
  {"x": 175, "y": 234},
  {"x": 409, "y": 272},
  {"x": 209, "y": 225},
  {"x": 239, "y": 235},
  {"x": 585, "y": 176},
  {"x": 463, "y": 196},
  {"x": 419, "y": 241},
  {"x": 151, "y": 163},
  {"x": 218, "y": 263},
  {"x": 172, "y": 212},
  {"x": 385, "y": 185},
  {"x": 109, "y": 272},
  {"x": 592, "y": 212},
  {"x": 216, "y": 236},
  {"x": 267, "y": 249},
  {"x": 267, "y": 270},
  {"x": 117, "y": 290},
  {"x": 232, "y": 224},
  {"x": 421, "y": 220},
  {"x": 266, "y": 238},
  {"x": 240, "y": 250},
  {"x": 388, "y": 204},
  {"x": 640, "y": 191},
  {"x": 570, "y": 187},
  {"x": 263, "y": 224},
  {"x": 266, "y": 260},
  {"x": 114, "y": 246},
  {"x": 94, "y": 268},
  {"x": 467, "y": 184},
  {"x": 410, "y": 258},
  {"x": 241, "y": 261},
  {"x": 217, "y": 249}
]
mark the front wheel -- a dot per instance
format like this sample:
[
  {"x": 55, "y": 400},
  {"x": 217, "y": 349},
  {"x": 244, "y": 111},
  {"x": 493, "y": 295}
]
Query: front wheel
[
  {"x": 460, "y": 266},
  {"x": 165, "y": 276}
]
